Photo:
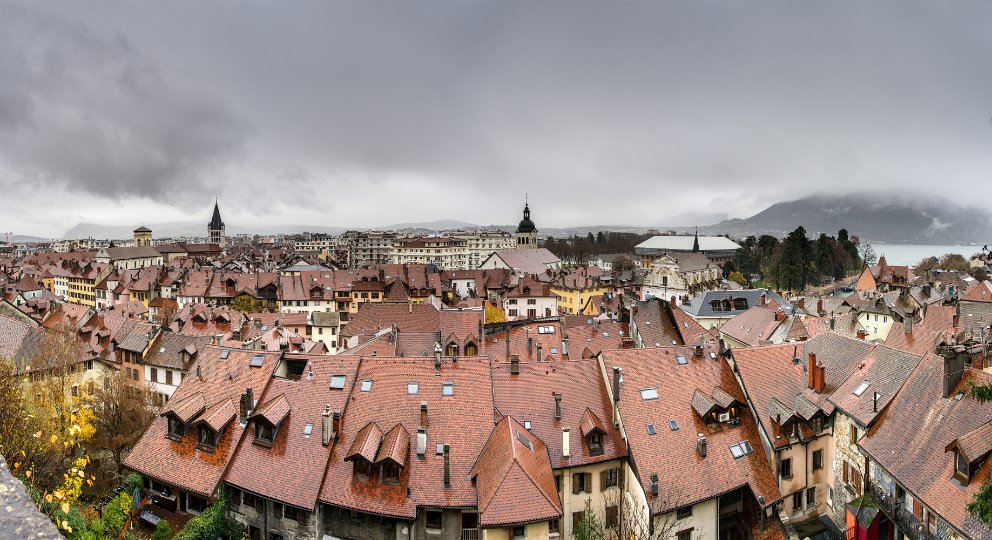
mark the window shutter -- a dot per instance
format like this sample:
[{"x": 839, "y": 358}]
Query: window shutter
[
  {"x": 602, "y": 479},
  {"x": 846, "y": 481},
  {"x": 917, "y": 509},
  {"x": 588, "y": 482},
  {"x": 575, "y": 483}
]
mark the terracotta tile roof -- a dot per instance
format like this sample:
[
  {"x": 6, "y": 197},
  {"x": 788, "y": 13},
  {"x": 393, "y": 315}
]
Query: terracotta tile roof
[
  {"x": 166, "y": 351},
  {"x": 684, "y": 475},
  {"x": 590, "y": 423},
  {"x": 514, "y": 341},
  {"x": 407, "y": 317},
  {"x": 291, "y": 470},
  {"x": 461, "y": 323},
  {"x": 659, "y": 326},
  {"x": 181, "y": 463},
  {"x": 366, "y": 443},
  {"x": 274, "y": 410},
  {"x": 219, "y": 414},
  {"x": 921, "y": 464},
  {"x": 753, "y": 327},
  {"x": 885, "y": 370},
  {"x": 395, "y": 446},
  {"x": 463, "y": 421},
  {"x": 976, "y": 444},
  {"x": 514, "y": 479},
  {"x": 187, "y": 408},
  {"x": 979, "y": 292},
  {"x": 936, "y": 327},
  {"x": 528, "y": 261}
]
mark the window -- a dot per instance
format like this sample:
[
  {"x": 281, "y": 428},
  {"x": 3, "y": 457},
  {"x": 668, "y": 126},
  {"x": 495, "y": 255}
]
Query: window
[
  {"x": 295, "y": 514},
  {"x": 337, "y": 382},
  {"x": 264, "y": 432},
  {"x": 741, "y": 449},
  {"x": 595, "y": 444},
  {"x": 206, "y": 437},
  {"x": 518, "y": 533},
  {"x": 797, "y": 501},
  {"x": 577, "y": 518},
  {"x": 362, "y": 468},
  {"x": 154, "y": 375},
  {"x": 448, "y": 389},
  {"x": 962, "y": 465},
  {"x": 612, "y": 517},
  {"x": 609, "y": 478},
  {"x": 811, "y": 497},
  {"x": 651, "y": 430},
  {"x": 680, "y": 359},
  {"x": 854, "y": 435},
  {"x": 581, "y": 483},
  {"x": 168, "y": 377},
  {"x": 861, "y": 388},
  {"x": 649, "y": 393},
  {"x": 366, "y": 385},
  {"x": 785, "y": 467},
  {"x": 683, "y": 513},
  {"x": 830, "y": 495},
  {"x": 134, "y": 374},
  {"x": 412, "y": 388},
  {"x": 554, "y": 527},
  {"x": 673, "y": 425},
  {"x": 435, "y": 519},
  {"x": 685, "y": 534},
  {"x": 176, "y": 428},
  {"x": 391, "y": 472},
  {"x": 558, "y": 483}
]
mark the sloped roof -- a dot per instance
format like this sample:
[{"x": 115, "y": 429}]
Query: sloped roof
[
  {"x": 685, "y": 243},
  {"x": 395, "y": 446},
  {"x": 514, "y": 479}
]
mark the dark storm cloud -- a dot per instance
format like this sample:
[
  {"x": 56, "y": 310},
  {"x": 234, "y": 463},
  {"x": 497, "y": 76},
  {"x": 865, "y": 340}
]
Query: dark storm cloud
[
  {"x": 88, "y": 113},
  {"x": 663, "y": 107}
]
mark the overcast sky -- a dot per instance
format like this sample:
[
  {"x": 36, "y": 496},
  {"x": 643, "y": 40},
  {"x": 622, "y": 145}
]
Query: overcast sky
[{"x": 367, "y": 113}]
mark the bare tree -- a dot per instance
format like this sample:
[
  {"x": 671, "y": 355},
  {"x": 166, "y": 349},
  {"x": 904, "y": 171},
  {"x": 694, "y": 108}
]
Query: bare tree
[
  {"x": 123, "y": 413},
  {"x": 633, "y": 523}
]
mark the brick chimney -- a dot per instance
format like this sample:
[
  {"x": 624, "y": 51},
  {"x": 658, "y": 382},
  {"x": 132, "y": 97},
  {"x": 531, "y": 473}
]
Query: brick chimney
[
  {"x": 802, "y": 303},
  {"x": 908, "y": 324},
  {"x": 779, "y": 315},
  {"x": 861, "y": 334},
  {"x": 514, "y": 365},
  {"x": 819, "y": 306},
  {"x": 821, "y": 378},
  {"x": 761, "y": 300},
  {"x": 423, "y": 414},
  {"x": 811, "y": 372}
]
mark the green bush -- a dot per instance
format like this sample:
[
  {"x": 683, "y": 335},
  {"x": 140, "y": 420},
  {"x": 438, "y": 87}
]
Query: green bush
[
  {"x": 162, "y": 531},
  {"x": 211, "y": 524},
  {"x": 97, "y": 527},
  {"x": 115, "y": 514},
  {"x": 134, "y": 480}
]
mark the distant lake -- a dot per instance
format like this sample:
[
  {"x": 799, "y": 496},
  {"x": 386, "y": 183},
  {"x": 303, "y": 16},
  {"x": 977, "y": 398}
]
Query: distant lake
[{"x": 910, "y": 254}]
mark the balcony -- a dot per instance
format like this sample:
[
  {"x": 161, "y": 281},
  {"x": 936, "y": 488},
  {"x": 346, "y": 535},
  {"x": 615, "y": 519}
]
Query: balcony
[
  {"x": 897, "y": 512},
  {"x": 470, "y": 534}
]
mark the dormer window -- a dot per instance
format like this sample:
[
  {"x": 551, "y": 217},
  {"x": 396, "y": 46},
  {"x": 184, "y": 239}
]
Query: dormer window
[
  {"x": 391, "y": 472},
  {"x": 265, "y": 432},
  {"x": 206, "y": 438},
  {"x": 176, "y": 428},
  {"x": 962, "y": 469},
  {"x": 363, "y": 468},
  {"x": 595, "y": 440}
]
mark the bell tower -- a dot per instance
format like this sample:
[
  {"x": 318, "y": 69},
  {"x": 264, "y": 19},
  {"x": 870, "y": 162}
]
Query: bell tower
[{"x": 526, "y": 230}]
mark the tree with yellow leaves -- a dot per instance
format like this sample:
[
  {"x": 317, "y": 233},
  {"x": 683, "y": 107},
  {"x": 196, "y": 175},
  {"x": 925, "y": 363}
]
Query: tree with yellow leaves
[{"x": 494, "y": 313}]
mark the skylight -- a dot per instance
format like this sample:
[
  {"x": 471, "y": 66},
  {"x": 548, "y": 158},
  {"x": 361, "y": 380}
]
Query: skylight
[
  {"x": 307, "y": 430},
  {"x": 527, "y": 425},
  {"x": 649, "y": 393},
  {"x": 257, "y": 360},
  {"x": 712, "y": 355},
  {"x": 861, "y": 389},
  {"x": 412, "y": 388},
  {"x": 741, "y": 449},
  {"x": 545, "y": 329},
  {"x": 680, "y": 359},
  {"x": 673, "y": 425},
  {"x": 448, "y": 389},
  {"x": 524, "y": 441},
  {"x": 651, "y": 430},
  {"x": 224, "y": 353},
  {"x": 337, "y": 381},
  {"x": 439, "y": 449},
  {"x": 367, "y": 385}
]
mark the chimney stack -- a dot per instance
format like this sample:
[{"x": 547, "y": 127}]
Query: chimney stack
[
  {"x": 701, "y": 445},
  {"x": 722, "y": 347},
  {"x": 335, "y": 424},
  {"x": 819, "y": 306},
  {"x": 908, "y": 323},
  {"x": 423, "y": 414},
  {"x": 698, "y": 351},
  {"x": 861, "y": 334},
  {"x": 564, "y": 442},
  {"x": 250, "y": 400},
  {"x": 802, "y": 303},
  {"x": 617, "y": 373},
  {"x": 514, "y": 365},
  {"x": 779, "y": 315},
  {"x": 953, "y": 370},
  {"x": 833, "y": 322},
  {"x": 874, "y": 401},
  {"x": 821, "y": 378},
  {"x": 557, "y": 406},
  {"x": 811, "y": 372},
  {"x": 437, "y": 357},
  {"x": 447, "y": 466},
  {"x": 325, "y": 423},
  {"x": 654, "y": 484},
  {"x": 674, "y": 302},
  {"x": 564, "y": 345},
  {"x": 761, "y": 300},
  {"x": 540, "y": 353},
  {"x": 243, "y": 407}
]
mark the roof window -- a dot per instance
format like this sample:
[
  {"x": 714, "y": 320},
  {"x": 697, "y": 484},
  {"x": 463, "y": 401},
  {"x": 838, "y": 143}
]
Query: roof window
[
  {"x": 741, "y": 449},
  {"x": 367, "y": 385},
  {"x": 524, "y": 441},
  {"x": 337, "y": 381},
  {"x": 680, "y": 359},
  {"x": 448, "y": 389},
  {"x": 673, "y": 425},
  {"x": 257, "y": 360},
  {"x": 412, "y": 388},
  {"x": 307, "y": 430},
  {"x": 649, "y": 393},
  {"x": 861, "y": 388},
  {"x": 651, "y": 430}
]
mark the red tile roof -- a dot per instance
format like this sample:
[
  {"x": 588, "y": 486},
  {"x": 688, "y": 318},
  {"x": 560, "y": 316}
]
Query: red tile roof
[
  {"x": 514, "y": 479},
  {"x": 373, "y": 317},
  {"x": 684, "y": 475},
  {"x": 181, "y": 463}
]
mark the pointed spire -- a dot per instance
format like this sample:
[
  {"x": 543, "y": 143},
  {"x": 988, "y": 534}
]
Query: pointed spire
[
  {"x": 216, "y": 223},
  {"x": 695, "y": 242}
]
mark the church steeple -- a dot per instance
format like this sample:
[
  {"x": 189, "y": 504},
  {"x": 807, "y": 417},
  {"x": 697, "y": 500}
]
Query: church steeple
[
  {"x": 215, "y": 229},
  {"x": 526, "y": 230},
  {"x": 695, "y": 242}
]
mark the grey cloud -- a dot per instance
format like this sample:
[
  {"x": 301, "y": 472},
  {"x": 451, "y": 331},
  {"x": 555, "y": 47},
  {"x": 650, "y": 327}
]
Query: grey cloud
[{"x": 89, "y": 113}]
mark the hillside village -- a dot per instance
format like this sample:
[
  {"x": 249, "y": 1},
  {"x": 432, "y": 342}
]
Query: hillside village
[{"x": 473, "y": 385}]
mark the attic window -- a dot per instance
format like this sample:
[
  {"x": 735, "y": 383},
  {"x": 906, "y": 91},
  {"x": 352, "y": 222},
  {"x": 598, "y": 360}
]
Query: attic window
[
  {"x": 257, "y": 360},
  {"x": 673, "y": 425},
  {"x": 961, "y": 467},
  {"x": 649, "y": 393},
  {"x": 448, "y": 389},
  {"x": 741, "y": 449},
  {"x": 651, "y": 430},
  {"x": 546, "y": 329},
  {"x": 225, "y": 353},
  {"x": 524, "y": 441},
  {"x": 367, "y": 385},
  {"x": 412, "y": 388},
  {"x": 861, "y": 388},
  {"x": 206, "y": 438},
  {"x": 680, "y": 359},
  {"x": 337, "y": 382}
]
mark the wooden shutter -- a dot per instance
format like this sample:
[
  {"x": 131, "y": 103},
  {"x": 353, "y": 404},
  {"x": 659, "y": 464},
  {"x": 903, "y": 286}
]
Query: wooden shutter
[
  {"x": 588, "y": 482},
  {"x": 846, "y": 480},
  {"x": 917, "y": 509},
  {"x": 575, "y": 483}
]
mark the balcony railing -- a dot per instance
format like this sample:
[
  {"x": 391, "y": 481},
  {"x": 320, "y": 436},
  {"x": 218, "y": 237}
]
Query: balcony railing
[
  {"x": 903, "y": 518},
  {"x": 470, "y": 534}
]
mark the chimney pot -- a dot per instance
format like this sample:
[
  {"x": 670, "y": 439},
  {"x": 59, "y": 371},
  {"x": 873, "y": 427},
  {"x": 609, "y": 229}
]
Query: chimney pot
[
  {"x": 423, "y": 414},
  {"x": 564, "y": 345}
]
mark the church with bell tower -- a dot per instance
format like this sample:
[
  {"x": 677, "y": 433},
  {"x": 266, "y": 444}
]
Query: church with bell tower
[
  {"x": 216, "y": 232},
  {"x": 526, "y": 230}
]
